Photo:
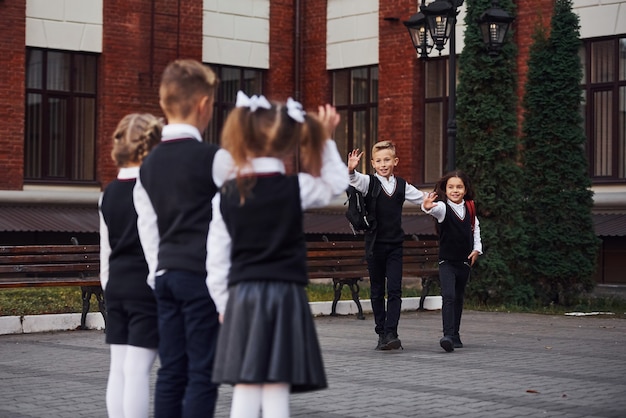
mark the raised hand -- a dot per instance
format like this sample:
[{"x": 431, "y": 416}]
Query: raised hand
[
  {"x": 354, "y": 158},
  {"x": 329, "y": 117},
  {"x": 429, "y": 200}
]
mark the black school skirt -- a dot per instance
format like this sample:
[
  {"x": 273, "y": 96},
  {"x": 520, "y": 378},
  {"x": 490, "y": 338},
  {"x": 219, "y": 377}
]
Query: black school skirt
[{"x": 268, "y": 336}]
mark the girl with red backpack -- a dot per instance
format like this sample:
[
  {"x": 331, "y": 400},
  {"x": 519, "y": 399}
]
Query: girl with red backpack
[{"x": 452, "y": 205}]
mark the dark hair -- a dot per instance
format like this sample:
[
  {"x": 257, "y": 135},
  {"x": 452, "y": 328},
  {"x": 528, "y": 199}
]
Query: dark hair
[{"x": 440, "y": 186}]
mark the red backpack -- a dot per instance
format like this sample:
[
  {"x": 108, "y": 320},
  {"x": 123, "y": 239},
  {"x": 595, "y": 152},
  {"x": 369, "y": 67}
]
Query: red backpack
[{"x": 471, "y": 208}]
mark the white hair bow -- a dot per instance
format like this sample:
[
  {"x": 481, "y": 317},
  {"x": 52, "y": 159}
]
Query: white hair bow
[
  {"x": 253, "y": 103},
  {"x": 294, "y": 110}
]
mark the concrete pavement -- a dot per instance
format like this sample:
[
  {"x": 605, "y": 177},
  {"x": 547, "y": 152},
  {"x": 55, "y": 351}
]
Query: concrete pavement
[{"x": 512, "y": 365}]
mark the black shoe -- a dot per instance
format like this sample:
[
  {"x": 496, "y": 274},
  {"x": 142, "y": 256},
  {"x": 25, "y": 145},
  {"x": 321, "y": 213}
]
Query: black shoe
[
  {"x": 456, "y": 339},
  {"x": 447, "y": 343},
  {"x": 381, "y": 338},
  {"x": 391, "y": 342}
]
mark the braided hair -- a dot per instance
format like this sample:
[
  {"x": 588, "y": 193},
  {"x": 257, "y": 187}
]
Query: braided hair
[{"x": 135, "y": 136}]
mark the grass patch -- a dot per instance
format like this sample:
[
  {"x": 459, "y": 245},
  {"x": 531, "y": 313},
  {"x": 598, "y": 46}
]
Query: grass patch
[
  {"x": 54, "y": 300},
  {"x": 613, "y": 304},
  {"x": 45, "y": 300},
  {"x": 324, "y": 292}
]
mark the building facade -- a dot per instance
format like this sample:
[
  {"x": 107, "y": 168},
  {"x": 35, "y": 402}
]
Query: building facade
[{"x": 72, "y": 68}]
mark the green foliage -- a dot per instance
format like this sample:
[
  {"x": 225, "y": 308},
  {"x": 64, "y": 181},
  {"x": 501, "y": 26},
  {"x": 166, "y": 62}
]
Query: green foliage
[
  {"x": 563, "y": 250},
  {"x": 487, "y": 150}
]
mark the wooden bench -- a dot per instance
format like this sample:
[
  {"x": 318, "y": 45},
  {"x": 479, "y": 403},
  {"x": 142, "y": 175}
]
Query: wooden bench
[
  {"x": 344, "y": 263},
  {"x": 79, "y": 265},
  {"x": 54, "y": 265}
]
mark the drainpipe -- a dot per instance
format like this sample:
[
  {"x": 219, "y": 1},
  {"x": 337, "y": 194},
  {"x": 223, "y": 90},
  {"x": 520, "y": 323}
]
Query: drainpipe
[{"x": 297, "y": 52}]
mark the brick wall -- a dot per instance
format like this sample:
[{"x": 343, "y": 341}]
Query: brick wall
[
  {"x": 280, "y": 77},
  {"x": 12, "y": 62},
  {"x": 313, "y": 86},
  {"x": 400, "y": 96},
  {"x": 315, "y": 83},
  {"x": 139, "y": 40}
]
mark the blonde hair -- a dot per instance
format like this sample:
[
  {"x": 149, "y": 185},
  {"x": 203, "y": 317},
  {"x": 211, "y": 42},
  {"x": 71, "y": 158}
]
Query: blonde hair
[
  {"x": 272, "y": 133},
  {"x": 384, "y": 145},
  {"x": 136, "y": 134},
  {"x": 183, "y": 83}
]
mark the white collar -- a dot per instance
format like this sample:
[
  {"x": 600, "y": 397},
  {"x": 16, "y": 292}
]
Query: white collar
[
  {"x": 127, "y": 173},
  {"x": 457, "y": 205},
  {"x": 180, "y": 130},
  {"x": 390, "y": 180},
  {"x": 264, "y": 165}
]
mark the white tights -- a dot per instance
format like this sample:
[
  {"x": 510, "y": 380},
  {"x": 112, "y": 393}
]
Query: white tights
[
  {"x": 128, "y": 388},
  {"x": 272, "y": 399}
]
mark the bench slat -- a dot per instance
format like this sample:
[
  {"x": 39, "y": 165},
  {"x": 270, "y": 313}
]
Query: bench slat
[
  {"x": 48, "y": 268},
  {"x": 48, "y": 282},
  {"x": 49, "y": 258},
  {"x": 48, "y": 249},
  {"x": 49, "y": 265}
]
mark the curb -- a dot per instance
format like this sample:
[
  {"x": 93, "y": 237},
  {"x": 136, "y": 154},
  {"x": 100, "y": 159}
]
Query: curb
[{"x": 28, "y": 324}]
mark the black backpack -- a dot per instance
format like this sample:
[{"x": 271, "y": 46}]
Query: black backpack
[{"x": 361, "y": 211}]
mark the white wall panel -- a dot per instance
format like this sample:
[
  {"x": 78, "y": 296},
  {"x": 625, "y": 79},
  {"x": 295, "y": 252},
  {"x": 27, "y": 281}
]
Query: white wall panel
[
  {"x": 74, "y": 25},
  {"x": 351, "y": 33},
  {"x": 236, "y": 32}
]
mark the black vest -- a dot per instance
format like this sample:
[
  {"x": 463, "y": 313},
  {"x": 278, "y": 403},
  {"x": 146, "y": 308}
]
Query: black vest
[
  {"x": 127, "y": 265},
  {"x": 177, "y": 175},
  {"x": 389, "y": 215},
  {"x": 268, "y": 241},
  {"x": 456, "y": 239}
]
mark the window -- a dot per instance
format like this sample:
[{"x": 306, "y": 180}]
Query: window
[
  {"x": 232, "y": 79},
  {"x": 60, "y": 131},
  {"x": 435, "y": 117},
  {"x": 355, "y": 95},
  {"x": 604, "y": 89}
]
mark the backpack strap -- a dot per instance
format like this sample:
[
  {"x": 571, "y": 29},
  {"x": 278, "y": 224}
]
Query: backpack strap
[{"x": 372, "y": 194}]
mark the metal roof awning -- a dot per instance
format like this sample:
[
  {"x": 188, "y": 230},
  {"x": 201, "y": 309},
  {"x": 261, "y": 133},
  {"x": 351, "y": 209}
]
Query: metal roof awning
[
  {"x": 610, "y": 225},
  {"x": 49, "y": 218},
  {"x": 59, "y": 218}
]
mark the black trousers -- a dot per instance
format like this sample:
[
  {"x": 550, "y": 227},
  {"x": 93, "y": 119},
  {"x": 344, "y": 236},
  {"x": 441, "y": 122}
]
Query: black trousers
[
  {"x": 385, "y": 262},
  {"x": 453, "y": 277}
]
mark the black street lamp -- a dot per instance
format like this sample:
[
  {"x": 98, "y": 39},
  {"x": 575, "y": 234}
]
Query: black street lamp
[
  {"x": 494, "y": 24},
  {"x": 433, "y": 26}
]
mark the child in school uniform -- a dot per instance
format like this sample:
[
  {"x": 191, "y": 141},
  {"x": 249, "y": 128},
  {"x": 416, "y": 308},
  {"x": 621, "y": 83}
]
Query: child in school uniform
[
  {"x": 384, "y": 243},
  {"x": 268, "y": 344},
  {"x": 131, "y": 328},
  {"x": 173, "y": 200},
  {"x": 459, "y": 247}
]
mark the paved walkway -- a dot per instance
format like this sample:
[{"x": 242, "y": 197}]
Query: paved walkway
[{"x": 513, "y": 365}]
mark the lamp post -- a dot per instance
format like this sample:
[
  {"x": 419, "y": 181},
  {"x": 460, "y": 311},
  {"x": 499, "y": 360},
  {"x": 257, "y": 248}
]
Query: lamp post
[{"x": 433, "y": 26}]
